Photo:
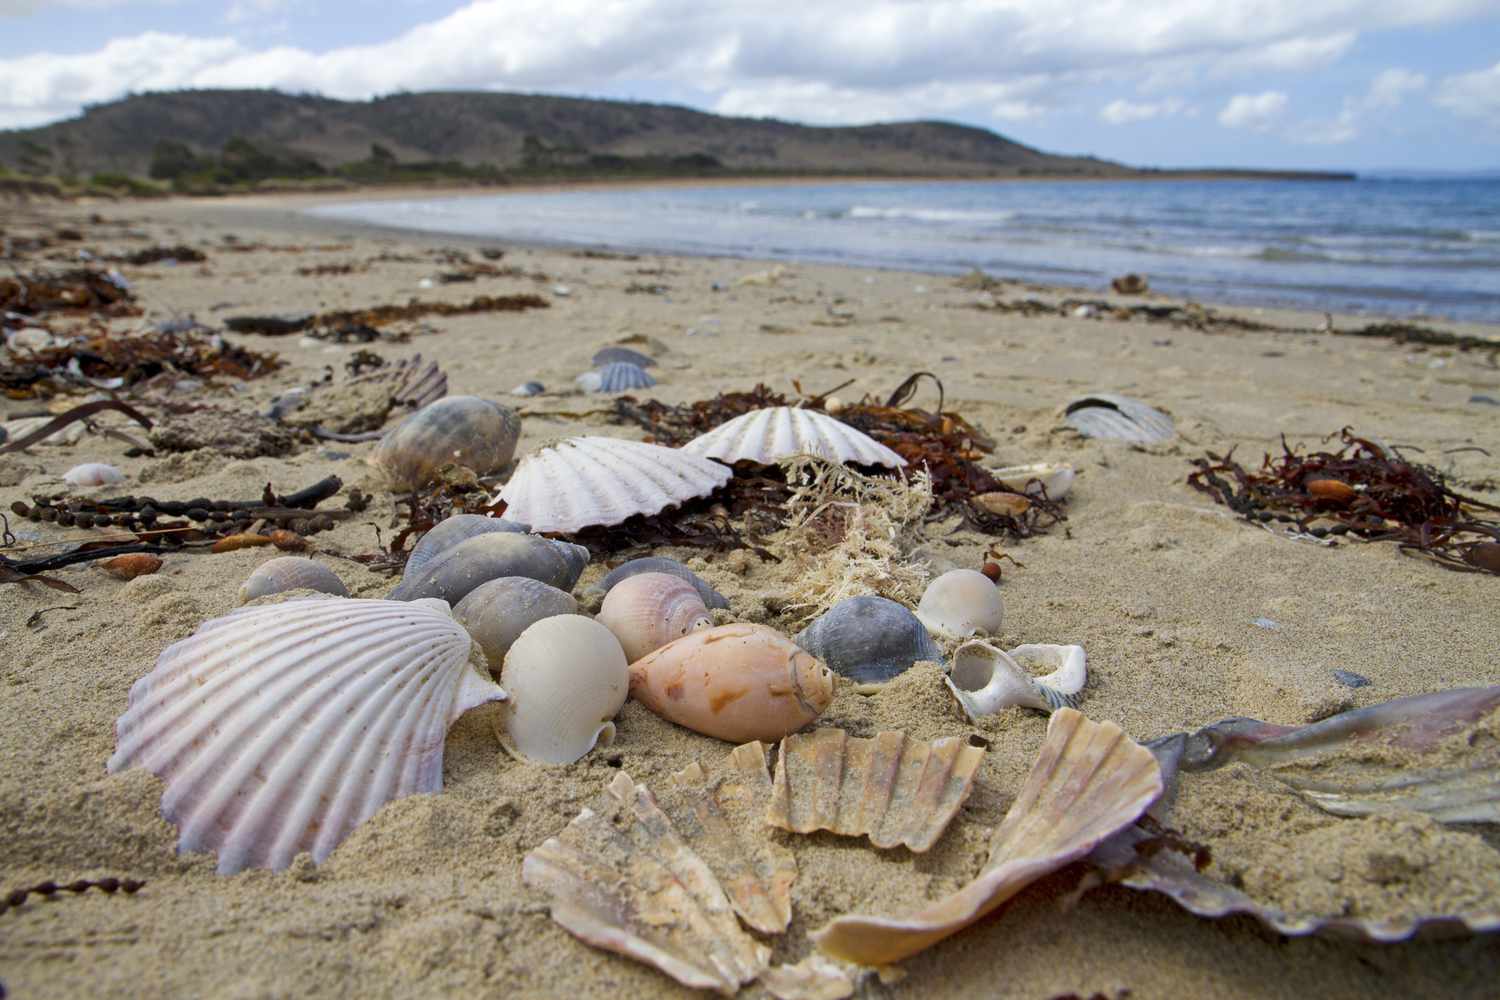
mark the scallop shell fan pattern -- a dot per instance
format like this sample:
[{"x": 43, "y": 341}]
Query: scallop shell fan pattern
[
  {"x": 589, "y": 481},
  {"x": 770, "y": 435},
  {"x": 279, "y": 729}
]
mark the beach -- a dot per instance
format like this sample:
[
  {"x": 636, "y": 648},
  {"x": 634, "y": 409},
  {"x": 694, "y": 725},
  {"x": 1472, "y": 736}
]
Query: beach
[{"x": 1168, "y": 592}]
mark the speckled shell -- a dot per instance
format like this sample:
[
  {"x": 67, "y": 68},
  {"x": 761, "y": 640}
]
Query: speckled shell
[
  {"x": 869, "y": 639},
  {"x": 452, "y": 531},
  {"x": 618, "y": 376},
  {"x": 277, "y": 576},
  {"x": 467, "y": 430},
  {"x": 279, "y": 729},
  {"x": 658, "y": 564},
  {"x": 736, "y": 682},
  {"x": 567, "y": 678},
  {"x": 496, "y": 613},
  {"x": 588, "y": 481},
  {"x": 93, "y": 474},
  {"x": 960, "y": 603},
  {"x": 770, "y": 435},
  {"x": 650, "y": 610},
  {"x": 610, "y": 355},
  {"x": 490, "y": 556}
]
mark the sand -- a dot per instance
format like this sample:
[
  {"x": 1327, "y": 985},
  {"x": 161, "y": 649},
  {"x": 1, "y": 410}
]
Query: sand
[{"x": 1159, "y": 585}]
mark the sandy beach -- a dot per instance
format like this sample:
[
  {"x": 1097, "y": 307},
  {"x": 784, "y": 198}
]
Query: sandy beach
[{"x": 1162, "y": 587}]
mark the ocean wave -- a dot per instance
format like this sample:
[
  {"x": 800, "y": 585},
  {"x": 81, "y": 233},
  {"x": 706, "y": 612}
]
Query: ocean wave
[{"x": 928, "y": 214}]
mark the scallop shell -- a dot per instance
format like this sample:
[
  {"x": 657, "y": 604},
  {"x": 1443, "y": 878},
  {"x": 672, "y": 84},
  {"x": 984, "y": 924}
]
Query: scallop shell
[
  {"x": 869, "y": 639},
  {"x": 960, "y": 603},
  {"x": 276, "y": 576},
  {"x": 495, "y": 613},
  {"x": 490, "y": 556},
  {"x": 601, "y": 481},
  {"x": 621, "y": 878},
  {"x": 465, "y": 430},
  {"x": 890, "y": 788},
  {"x": 657, "y": 564},
  {"x": 1089, "y": 782},
  {"x": 618, "y": 376},
  {"x": 567, "y": 678},
  {"x": 1033, "y": 479},
  {"x": 770, "y": 435},
  {"x": 93, "y": 474},
  {"x": 609, "y": 355},
  {"x": 736, "y": 682},
  {"x": 986, "y": 680},
  {"x": 279, "y": 729},
  {"x": 451, "y": 531},
  {"x": 650, "y": 610},
  {"x": 1118, "y": 418}
]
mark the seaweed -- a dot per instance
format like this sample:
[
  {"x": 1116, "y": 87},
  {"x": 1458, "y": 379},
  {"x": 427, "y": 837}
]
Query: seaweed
[{"x": 111, "y": 885}]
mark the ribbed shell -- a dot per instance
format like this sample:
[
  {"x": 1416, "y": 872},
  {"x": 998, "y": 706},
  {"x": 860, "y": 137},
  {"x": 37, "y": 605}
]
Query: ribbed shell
[
  {"x": 610, "y": 355},
  {"x": 770, "y": 435},
  {"x": 869, "y": 639},
  {"x": 588, "y": 481},
  {"x": 279, "y": 729},
  {"x": 496, "y": 613},
  {"x": 618, "y": 376},
  {"x": 452, "y": 531},
  {"x": 1118, "y": 418},
  {"x": 276, "y": 576},
  {"x": 489, "y": 556},
  {"x": 464, "y": 429},
  {"x": 660, "y": 564},
  {"x": 93, "y": 474}
]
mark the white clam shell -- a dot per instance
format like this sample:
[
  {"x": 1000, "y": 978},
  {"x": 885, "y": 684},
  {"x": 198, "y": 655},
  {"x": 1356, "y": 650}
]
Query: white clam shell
[
  {"x": 1118, "y": 418},
  {"x": 466, "y": 430},
  {"x": 649, "y": 610},
  {"x": 1056, "y": 479},
  {"x": 279, "y": 729},
  {"x": 497, "y": 612},
  {"x": 960, "y": 603},
  {"x": 93, "y": 474},
  {"x": 588, "y": 481},
  {"x": 567, "y": 678},
  {"x": 276, "y": 576},
  {"x": 770, "y": 435},
  {"x": 986, "y": 680}
]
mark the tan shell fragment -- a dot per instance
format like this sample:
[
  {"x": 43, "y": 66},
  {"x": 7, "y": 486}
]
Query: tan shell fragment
[
  {"x": 1089, "y": 782},
  {"x": 622, "y": 879},
  {"x": 896, "y": 790},
  {"x": 814, "y": 978}
]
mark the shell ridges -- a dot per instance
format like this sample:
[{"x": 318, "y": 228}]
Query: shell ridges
[{"x": 769, "y": 435}]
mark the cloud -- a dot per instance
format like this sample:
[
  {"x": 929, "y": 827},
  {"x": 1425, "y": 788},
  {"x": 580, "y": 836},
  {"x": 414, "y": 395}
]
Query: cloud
[
  {"x": 1122, "y": 112},
  {"x": 822, "y": 103},
  {"x": 1472, "y": 95},
  {"x": 1386, "y": 92},
  {"x": 1256, "y": 112},
  {"x": 1391, "y": 87},
  {"x": 1286, "y": 55}
]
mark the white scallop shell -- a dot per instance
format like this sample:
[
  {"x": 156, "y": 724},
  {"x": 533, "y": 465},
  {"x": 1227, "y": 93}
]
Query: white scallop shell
[
  {"x": 770, "y": 435},
  {"x": 567, "y": 678},
  {"x": 617, "y": 376},
  {"x": 600, "y": 481},
  {"x": 1119, "y": 418},
  {"x": 276, "y": 576},
  {"x": 647, "y": 611},
  {"x": 279, "y": 729},
  {"x": 93, "y": 474},
  {"x": 1032, "y": 479},
  {"x": 960, "y": 603}
]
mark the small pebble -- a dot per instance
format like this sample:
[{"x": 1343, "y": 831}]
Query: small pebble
[
  {"x": 1349, "y": 678},
  {"x": 1266, "y": 623}
]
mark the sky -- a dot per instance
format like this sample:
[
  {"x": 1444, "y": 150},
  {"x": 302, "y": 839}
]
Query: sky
[{"x": 1353, "y": 84}]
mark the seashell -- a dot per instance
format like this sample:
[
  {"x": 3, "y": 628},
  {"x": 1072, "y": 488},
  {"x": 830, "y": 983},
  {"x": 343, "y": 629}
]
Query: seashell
[
  {"x": 621, "y": 878},
  {"x": 869, "y": 639},
  {"x": 131, "y": 565},
  {"x": 767, "y": 436},
  {"x": 736, "y": 682},
  {"x": 618, "y": 376},
  {"x": 1003, "y": 504},
  {"x": 1089, "y": 782},
  {"x": 490, "y": 556},
  {"x": 495, "y": 613},
  {"x": 465, "y": 430},
  {"x": 986, "y": 680},
  {"x": 890, "y": 788},
  {"x": 529, "y": 389},
  {"x": 816, "y": 977},
  {"x": 93, "y": 474},
  {"x": 657, "y": 564},
  {"x": 960, "y": 603},
  {"x": 287, "y": 541},
  {"x": 277, "y": 576},
  {"x": 241, "y": 540},
  {"x": 451, "y": 531},
  {"x": 1034, "y": 479},
  {"x": 609, "y": 355},
  {"x": 649, "y": 610},
  {"x": 279, "y": 729},
  {"x": 588, "y": 481},
  {"x": 1332, "y": 491},
  {"x": 567, "y": 678},
  {"x": 1118, "y": 418}
]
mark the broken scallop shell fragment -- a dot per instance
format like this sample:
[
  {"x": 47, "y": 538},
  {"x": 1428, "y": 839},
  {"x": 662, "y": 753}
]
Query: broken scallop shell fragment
[
  {"x": 617, "y": 376},
  {"x": 869, "y": 639},
  {"x": 960, "y": 603},
  {"x": 278, "y": 729},
  {"x": 769, "y": 435},
  {"x": 277, "y": 576},
  {"x": 1056, "y": 480},
  {"x": 454, "y": 530},
  {"x": 93, "y": 474},
  {"x": 452, "y": 575},
  {"x": 496, "y": 612},
  {"x": 567, "y": 678},
  {"x": 463, "y": 430},
  {"x": 890, "y": 788},
  {"x": 986, "y": 679},
  {"x": 650, "y": 610},
  {"x": 588, "y": 481},
  {"x": 737, "y": 682},
  {"x": 659, "y": 564}
]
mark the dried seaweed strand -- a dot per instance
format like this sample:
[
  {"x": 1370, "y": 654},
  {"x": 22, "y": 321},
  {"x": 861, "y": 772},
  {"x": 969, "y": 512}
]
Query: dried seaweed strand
[
  {"x": 75, "y": 414},
  {"x": 17, "y": 897}
]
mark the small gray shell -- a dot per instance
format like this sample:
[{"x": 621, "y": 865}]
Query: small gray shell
[
  {"x": 1118, "y": 418},
  {"x": 529, "y": 389},
  {"x": 490, "y": 556},
  {"x": 656, "y": 564},
  {"x": 608, "y": 355},
  {"x": 869, "y": 639},
  {"x": 277, "y": 576},
  {"x": 496, "y": 613},
  {"x": 464, "y": 429},
  {"x": 452, "y": 531},
  {"x": 618, "y": 376}
]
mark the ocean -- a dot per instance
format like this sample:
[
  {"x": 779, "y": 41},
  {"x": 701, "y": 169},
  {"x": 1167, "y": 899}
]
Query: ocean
[{"x": 1406, "y": 248}]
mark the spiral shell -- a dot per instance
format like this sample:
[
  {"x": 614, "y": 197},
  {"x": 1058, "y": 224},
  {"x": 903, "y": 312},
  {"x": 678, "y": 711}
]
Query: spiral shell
[
  {"x": 490, "y": 556},
  {"x": 960, "y": 603},
  {"x": 869, "y": 639},
  {"x": 985, "y": 679},
  {"x": 452, "y": 531},
  {"x": 466, "y": 430},
  {"x": 617, "y": 376},
  {"x": 567, "y": 678},
  {"x": 276, "y": 576},
  {"x": 496, "y": 613},
  {"x": 648, "y": 611},
  {"x": 93, "y": 474},
  {"x": 658, "y": 564}
]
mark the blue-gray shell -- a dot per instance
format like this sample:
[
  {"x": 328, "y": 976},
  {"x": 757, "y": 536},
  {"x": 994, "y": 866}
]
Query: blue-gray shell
[
  {"x": 869, "y": 639},
  {"x": 609, "y": 355}
]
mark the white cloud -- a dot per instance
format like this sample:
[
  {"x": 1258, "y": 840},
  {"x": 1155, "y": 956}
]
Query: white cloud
[
  {"x": 1390, "y": 88},
  {"x": 1286, "y": 55},
  {"x": 1472, "y": 95},
  {"x": 821, "y": 103},
  {"x": 1257, "y": 112},
  {"x": 1122, "y": 112},
  {"x": 1386, "y": 93}
]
